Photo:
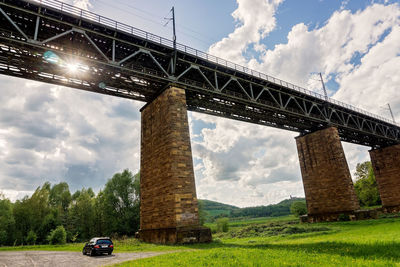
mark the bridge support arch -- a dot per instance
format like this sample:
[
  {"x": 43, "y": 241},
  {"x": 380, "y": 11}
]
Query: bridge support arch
[
  {"x": 168, "y": 208},
  {"x": 326, "y": 177},
  {"x": 386, "y": 164}
]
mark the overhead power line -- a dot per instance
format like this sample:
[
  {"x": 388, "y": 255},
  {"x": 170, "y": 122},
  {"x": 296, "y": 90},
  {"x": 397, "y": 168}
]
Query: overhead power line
[
  {"x": 155, "y": 19},
  {"x": 158, "y": 17}
]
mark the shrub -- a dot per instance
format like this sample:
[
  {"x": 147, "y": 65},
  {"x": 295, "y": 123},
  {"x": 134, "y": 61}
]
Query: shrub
[
  {"x": 294, "y": 230},
  {"x": 71, "y": 237},
  {"x": 222, "y": 225},
  {"x": 343, "y": 217},
  {"x": 31, "y": 238},
  {"x": 213, "y": 229},
  {"x": 57, "y": 236},
  {"x": 298, "y": 208},
  {"x": 3, "y": 237}
]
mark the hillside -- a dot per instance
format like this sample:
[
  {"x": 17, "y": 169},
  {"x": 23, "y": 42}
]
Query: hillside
[{"x": 216, "y": 209}]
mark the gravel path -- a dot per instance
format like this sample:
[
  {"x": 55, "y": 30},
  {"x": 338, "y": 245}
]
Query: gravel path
[{"x": 61, "y": 258}]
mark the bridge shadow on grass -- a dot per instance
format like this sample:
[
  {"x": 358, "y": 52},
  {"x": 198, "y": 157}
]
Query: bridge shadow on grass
[{"x": 373, "y": 250}]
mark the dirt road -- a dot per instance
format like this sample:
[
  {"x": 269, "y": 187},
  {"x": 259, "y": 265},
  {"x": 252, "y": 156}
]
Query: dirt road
[{"x": 74, "y": 259}]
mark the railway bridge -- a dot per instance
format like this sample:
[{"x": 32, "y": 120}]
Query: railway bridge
[{"x": 56, "y": 43}]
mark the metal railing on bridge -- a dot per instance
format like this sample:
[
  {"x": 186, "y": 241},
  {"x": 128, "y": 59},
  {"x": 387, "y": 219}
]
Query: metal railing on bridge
[{"x": 85, "y": 14}]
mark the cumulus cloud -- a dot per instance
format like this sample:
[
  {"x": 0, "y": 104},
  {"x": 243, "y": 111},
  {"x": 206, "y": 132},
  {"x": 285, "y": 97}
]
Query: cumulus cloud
[
  {"x": 53, "y": 133},
  {"x": 375, "y": 81},
  {"x": 255, "y": 20},
  {"x": 14, "y": 195},
  {"x": 84, "y": 4},
  {"x": 335, "y": 48},
  {"x": 358, "y": 51},
  {"x": 244, "y": 163}
]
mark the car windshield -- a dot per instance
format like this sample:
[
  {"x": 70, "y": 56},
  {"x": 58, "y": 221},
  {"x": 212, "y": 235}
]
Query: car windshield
[{"x": 104, "y": 241}]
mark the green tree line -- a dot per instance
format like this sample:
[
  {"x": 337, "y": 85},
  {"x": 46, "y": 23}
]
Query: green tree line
[
  {"x": 52, "y": 209},
  {"x": 114, "y": 211},
  {"x": 274, "y": 210}
]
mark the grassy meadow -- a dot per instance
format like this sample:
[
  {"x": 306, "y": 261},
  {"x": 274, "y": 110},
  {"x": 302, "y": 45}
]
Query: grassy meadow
[
  {"x": 279, "y": 241},
  {"x": 127, "y": 245},
  {"x": 285, "y": 242}
]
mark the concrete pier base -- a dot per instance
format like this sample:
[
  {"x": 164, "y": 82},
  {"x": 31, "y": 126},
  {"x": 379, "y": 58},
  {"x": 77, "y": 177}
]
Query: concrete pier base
[{"x": 178, "y": 235}]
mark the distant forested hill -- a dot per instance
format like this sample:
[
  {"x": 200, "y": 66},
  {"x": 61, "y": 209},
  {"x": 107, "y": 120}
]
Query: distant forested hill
[{"x": 216, "y": 209}]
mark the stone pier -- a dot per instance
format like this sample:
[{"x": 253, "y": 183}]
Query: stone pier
[
  {"x": 386, "y": 164},
  {"x": 168, "y": 208},
  {"x": 327, "y": 181}
]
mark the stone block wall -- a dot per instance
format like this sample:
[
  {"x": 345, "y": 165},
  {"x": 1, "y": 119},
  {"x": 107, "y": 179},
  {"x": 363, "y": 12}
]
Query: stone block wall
[
  {"x": 386, "y": 164},
  {"x": 327, "y": 181},
  {"x": 167, "y": 190}
]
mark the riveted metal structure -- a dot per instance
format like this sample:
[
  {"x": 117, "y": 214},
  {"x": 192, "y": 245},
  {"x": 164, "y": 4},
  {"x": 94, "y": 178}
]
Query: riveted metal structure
[{"x": 41, "y": 39}]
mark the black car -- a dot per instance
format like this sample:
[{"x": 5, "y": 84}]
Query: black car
[{"x": 98, "y": 245}]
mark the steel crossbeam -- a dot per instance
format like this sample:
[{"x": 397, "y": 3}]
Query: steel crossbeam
[{"x": 117, "y": 60}]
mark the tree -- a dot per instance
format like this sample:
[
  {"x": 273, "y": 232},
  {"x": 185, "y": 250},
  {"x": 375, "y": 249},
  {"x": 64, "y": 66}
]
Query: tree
[
  {"x": 203, "y": 214},
  {"x": 365, "y": 186},
  {"x": 41, "y": 216},
  {"x": 298, "y": 208},
  {"x": 81, "y": 218},
  {"x": 100, "y": 215},
  {"x": 52, "y": 211},
  {"x": 363, "y": 170},
  {"x": 121, "y": 203},
  {"x": 136, "y": 184},
  {"x": 7, "y": 222},
  {"x": 57, "y": 236},
  {"x": 31, "y": 238},
  {"x": 36, "y": 214},
  {"x": 223, "y": 225},
  {"x": 60, "y": 196},
  {"x": 22, "y": 216}
]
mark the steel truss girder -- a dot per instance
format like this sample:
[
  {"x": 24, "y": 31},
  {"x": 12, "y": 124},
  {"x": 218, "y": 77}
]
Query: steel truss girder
[{"x": 139, "y": 69}]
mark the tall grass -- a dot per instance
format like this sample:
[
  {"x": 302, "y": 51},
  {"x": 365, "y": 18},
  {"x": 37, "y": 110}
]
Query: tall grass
[{"x": 362, "y": 243}]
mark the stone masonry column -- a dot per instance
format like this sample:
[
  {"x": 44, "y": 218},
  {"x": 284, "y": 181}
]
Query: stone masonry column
[
  {"x": 168, "y": 207},
  {"x": 327, "y": 181},
  {"x": 386, "y": 164}
]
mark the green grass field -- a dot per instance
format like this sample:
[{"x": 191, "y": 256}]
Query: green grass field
[
  {"x": 260, "y": 220},
  {"x": 276, "y": 242},
  {"x": 362, "y": 243},
  {"x": 128, "y": 245}
]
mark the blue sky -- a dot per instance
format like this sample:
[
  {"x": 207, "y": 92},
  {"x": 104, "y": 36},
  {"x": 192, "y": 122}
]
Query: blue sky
[
  {"x": 58, "y": 134},
  {"x": 201, "y": 23}
]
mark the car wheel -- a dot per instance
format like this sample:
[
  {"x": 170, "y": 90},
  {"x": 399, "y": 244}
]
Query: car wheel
[
  {"x": 83, "y": 252},
  {"x": 109, "y": 253},
  {"x": 92, "y": 253}
]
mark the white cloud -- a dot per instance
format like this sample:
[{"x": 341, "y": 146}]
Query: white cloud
[
  {"x": 245, "y": 164},
  {"x": 358, "y": 50},
  {"x": 14, "y": 195},
  {"x": 84, "y": 4},
  {"x": 331, "y": 48},
  {"x": 376, "y": 81},
  {"x": 255, "y": 20},
  {"x": 52, "y": 133}
]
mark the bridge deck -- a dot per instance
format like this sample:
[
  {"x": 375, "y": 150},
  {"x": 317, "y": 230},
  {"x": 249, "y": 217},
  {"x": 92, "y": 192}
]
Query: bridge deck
[{"x": 40, "y": 40}]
